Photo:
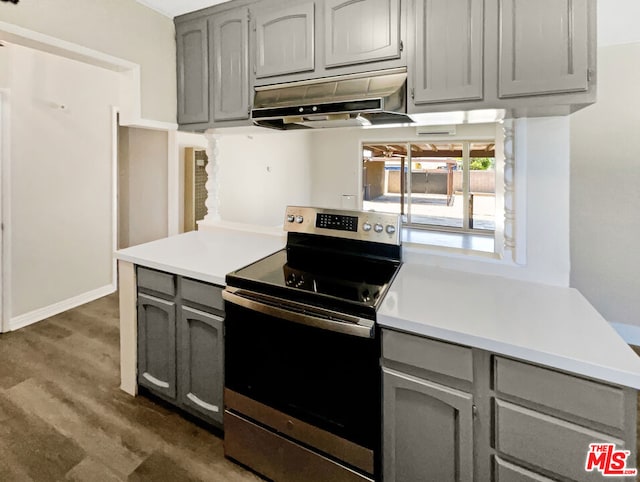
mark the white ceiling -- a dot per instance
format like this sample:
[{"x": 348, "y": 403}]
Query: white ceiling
[{"x": 172, "y": 8}]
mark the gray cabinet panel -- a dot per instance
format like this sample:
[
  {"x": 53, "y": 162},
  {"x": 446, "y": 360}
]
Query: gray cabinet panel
[
  {"x": 546, "y": 442},
  {"x": 158, "y": 281},
  {"x": 204, "y": 294},
  {"x": 445, "y": 358},
  {"x": 285, "y": 39},
  {"x": 448, "y": 50},
  {"x": 543, "y": 47},
  {"x": 576, "y": 396},
  {"x": 192, "y": 71},
  {"x": 506, "y": 472},
  {"x": 200, "y": 362},
  {"x": 359, "y": 31},
  {"x": 230, "y": 58},
  {"x": 157, "y": 344},
  {"x": 428, "y": 430}
]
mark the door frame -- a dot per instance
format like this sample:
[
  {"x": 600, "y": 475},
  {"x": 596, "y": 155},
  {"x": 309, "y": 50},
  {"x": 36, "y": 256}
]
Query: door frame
[{"x": 5, "y": 211}]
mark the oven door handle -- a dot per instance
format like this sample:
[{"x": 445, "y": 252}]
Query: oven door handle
[{"x": 348, "y": 325}]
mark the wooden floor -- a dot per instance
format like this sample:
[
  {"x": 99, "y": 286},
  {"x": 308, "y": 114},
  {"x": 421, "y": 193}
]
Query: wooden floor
[{"x": 63, "y": 417}]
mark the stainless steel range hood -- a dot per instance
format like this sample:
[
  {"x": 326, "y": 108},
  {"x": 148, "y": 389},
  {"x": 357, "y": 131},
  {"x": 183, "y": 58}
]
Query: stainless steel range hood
[{"x": 373, "y": 98}]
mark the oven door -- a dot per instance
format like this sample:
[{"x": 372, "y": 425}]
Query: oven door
[{"x": 328, "y": 379}]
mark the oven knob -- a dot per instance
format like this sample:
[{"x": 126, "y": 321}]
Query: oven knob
[
  {"x": 290, "y": 218},
  {"x": 299, "y": 219},
  {"x": 378, "y": 228},
  {"x": 366, "y": 227},
  {"x": 366, "y": 296},
  {"x": 391, "y": 229}
]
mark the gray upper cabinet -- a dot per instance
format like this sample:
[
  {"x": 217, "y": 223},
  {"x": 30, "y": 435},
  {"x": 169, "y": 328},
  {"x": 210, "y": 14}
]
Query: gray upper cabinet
[
  {"x": 284, "y": 38},
  {"x": 544, "y": 47},
  {"x": 358, "y": 31},
  {"x": 428, "y": 430},
  {"x": 192, "y": 71},
  {"x": 448, "y": 51},
  {"x": 229, "y": 47},
  {"x": 157, "y": 344},
  {"x": 200, "y": 362}
]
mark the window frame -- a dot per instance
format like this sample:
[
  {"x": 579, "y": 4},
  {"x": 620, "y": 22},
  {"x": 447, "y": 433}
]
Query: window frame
[{"x": 504, "y": 246}]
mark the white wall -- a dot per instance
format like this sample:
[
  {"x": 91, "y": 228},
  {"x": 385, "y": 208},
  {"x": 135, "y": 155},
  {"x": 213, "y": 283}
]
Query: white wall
[
  {"x": 605, "y": 188},
  {"x": 61, "y": 178},
  {"x": 122, "y": 28},
  {"x": 544, "y": 143},
  {"x": 618, "y": 22},
  {"x": 260, "y": 174},
  {"x": 143, "y": 186},
  {"x": 605, "y": 175}
]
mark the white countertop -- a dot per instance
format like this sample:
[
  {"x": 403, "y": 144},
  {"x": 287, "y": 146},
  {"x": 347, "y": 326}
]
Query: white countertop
[
  {"x": 206, "y": 255},
  {"x": 543, "y": 324},
  {"x": 547, "y": 325}
]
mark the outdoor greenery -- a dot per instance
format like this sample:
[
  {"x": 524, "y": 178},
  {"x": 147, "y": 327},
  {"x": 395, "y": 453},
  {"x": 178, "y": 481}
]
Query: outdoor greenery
[{"x": 481, "y": 163}]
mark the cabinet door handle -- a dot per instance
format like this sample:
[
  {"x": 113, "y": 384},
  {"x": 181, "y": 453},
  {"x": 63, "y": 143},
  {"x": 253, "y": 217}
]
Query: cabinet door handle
[
  {"x": 155, "y": 381},
  {"x": 474, "y": 411},
  {"x": 201, "y": 403}
]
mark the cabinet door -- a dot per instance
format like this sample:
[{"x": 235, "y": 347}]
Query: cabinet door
[
  {"x": 359, "y": 31},
  {"x": 448, "y": 47},
  {"x": 201, "y": 362},
  {"x": 157, "y": 344},
  {"x": 193, "y": 71},
  {"x": 543, "y": 47},
  {"x": 285, "y": 39},
  {"x": 230, "y": 57},
  {"x": 428, "y": 429}
]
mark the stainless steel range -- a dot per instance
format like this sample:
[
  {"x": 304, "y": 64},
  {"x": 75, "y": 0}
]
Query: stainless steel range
[{"x": 302, "y": 375}]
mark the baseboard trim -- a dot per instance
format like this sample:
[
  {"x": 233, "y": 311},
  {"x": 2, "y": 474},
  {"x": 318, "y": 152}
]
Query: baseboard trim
[
  {"x": 42, "y": 313},
  {"x": 629, "y": 333}
]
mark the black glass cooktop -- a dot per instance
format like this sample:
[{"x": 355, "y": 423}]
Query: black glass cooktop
[{"x": 329, "y": 281}]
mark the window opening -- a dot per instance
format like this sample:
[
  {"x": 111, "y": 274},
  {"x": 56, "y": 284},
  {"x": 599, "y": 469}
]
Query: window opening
[{"x": 448, "y": 186}]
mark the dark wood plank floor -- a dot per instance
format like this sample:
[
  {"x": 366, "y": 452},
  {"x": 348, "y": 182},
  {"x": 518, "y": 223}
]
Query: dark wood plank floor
[{"x": 63, "y": 417}]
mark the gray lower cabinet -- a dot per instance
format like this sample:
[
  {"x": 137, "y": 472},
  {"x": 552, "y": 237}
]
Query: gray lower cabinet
[
  {"x": 428, "y": 430},
  {"x": 361, "y": 31},
  {"x": 448, "y": 53},
  {"x": 157, "y": 344},
  {"x": 452, "y": 412},
  {"x": 181, "y": 342},
  {"x": 200, "y": 362},
  {"x": 192, "y": 71}
]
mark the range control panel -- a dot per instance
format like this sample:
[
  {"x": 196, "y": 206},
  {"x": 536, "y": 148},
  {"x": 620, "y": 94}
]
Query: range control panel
[{"x": 359, "y": 225}]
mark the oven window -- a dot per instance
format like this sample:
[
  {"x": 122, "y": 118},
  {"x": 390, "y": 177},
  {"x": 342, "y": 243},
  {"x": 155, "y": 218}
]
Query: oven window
[{"x": 324, "y": 378}]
